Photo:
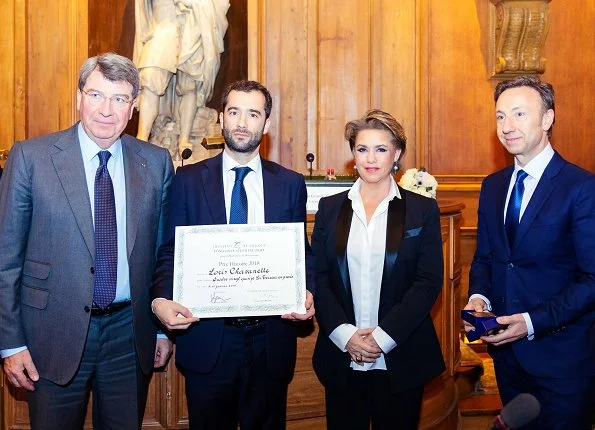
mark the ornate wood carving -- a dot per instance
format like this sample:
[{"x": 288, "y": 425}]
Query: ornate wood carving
[{"x": 518, "y": 29}]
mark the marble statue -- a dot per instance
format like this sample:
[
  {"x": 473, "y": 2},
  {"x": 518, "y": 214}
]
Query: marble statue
[{"x": 177, "y": 48}]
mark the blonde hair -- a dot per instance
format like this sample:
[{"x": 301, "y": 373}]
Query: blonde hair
[{"x": 377, "y": 119}]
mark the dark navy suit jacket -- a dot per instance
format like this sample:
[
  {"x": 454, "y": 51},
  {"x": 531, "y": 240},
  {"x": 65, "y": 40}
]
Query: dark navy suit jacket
[
  {"x": 411, "y": 281},
  {"x": 197, "y": 198},
  {"x": 548, "y": 272}
]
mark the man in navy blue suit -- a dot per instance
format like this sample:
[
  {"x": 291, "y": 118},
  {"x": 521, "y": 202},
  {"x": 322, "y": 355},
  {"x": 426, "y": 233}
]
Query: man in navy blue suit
[
  {"x": 534, "y": 265},
  {"x": 236, "y": 369}
]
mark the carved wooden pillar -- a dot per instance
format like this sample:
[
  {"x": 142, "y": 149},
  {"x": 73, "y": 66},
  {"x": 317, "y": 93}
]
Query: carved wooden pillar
[{"x": 518, "y": 30}]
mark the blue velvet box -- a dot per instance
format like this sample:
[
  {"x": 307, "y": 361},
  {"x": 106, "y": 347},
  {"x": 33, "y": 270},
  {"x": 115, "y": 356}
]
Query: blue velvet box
[{"x": 482, "y": 321}]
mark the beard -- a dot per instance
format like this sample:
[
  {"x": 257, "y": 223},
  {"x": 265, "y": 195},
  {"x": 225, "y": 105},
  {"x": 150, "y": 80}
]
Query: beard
[{"x": 242, "y": 147}]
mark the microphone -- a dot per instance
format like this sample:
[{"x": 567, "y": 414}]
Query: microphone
[
  {"x": 521, "y": 410},
  {"x": 186, "y": 154},
  {"x": 310, "y": 159}
]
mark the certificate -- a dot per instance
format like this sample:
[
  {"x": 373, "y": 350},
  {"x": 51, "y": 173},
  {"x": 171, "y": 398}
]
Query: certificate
[{"x": 237, "y": 270}]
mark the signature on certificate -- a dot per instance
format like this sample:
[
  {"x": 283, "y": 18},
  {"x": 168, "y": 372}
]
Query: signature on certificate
[{"x": 217, "y": 298}]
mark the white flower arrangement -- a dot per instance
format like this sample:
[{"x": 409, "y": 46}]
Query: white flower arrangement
[{"x": 419, "y": 181}]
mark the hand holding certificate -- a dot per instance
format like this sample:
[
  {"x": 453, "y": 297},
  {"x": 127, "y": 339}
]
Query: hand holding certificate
[{"x": 240, "y": 269}]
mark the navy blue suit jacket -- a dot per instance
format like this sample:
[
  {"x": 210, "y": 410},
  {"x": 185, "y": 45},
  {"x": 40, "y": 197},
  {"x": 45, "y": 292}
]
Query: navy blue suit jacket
[
  {"x": 411, "y": 281},
  {"x": 197, "y": 198},
  {"x": 548, "y": 272}
]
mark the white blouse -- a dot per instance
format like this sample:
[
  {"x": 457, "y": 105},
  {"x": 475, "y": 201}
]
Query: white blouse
[{"x": 365, "y": 257}]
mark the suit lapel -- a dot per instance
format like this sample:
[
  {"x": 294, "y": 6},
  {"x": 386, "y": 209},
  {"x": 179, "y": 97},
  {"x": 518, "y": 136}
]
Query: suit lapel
[
  {"x": 273, "y": 189},
  {"x": 135, "y": 174},
  {"x": 539, "y": 197},
  {"x": 342, "y": 235},
  {"x": 68, "y": 162},
  {"x": 395, "y": 225},
  {"x": 212, "y": 179}
]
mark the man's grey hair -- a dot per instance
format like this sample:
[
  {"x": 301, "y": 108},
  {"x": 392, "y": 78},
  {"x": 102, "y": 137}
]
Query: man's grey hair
[{"x": 114, "y": 68}]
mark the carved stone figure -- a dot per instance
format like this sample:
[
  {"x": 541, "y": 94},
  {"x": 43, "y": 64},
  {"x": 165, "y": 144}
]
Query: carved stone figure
[{"x": 177, "y": 48}]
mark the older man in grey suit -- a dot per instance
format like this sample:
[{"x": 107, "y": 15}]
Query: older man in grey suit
[{"x": 81, "y": 214}]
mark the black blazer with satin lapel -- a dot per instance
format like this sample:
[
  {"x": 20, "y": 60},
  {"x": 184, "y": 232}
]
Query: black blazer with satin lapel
[
  {"x": 548, "y": 272},
  {"x": 47, "y": 247},
  {"x": 411, "y": 281},
  {"x": 198, "y": 199}
]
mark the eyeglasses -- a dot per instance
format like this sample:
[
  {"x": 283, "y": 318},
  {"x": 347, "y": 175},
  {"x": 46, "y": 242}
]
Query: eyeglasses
[{"x": 96, "y": 98}]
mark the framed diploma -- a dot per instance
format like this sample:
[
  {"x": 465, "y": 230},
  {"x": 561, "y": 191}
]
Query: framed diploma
[{"x": 237, "y": 270}]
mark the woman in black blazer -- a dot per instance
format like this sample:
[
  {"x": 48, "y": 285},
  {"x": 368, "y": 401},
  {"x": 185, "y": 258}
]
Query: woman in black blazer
[{"x": 379, "y": 269}]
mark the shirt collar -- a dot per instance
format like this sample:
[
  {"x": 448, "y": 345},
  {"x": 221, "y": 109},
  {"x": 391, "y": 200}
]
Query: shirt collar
[
  {"x": 354, "y": 192},
  {"x": 90, "y": 148},
  {"x": 537, "y": 165},
  {"x": 229, "y": 163}
]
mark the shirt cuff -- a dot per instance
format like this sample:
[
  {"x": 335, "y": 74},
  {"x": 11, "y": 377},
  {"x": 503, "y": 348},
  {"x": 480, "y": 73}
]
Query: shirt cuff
[
  {"x": 153, "y": 303},
  {"x": 12, "y": 351},
  {"x": 341, "y": 335},
  {"x": 530, "y": 329},
  {"x": 484, "y": 298},
  {"x": 384, "y": 341},
  {"x": 161, "y": 336}
]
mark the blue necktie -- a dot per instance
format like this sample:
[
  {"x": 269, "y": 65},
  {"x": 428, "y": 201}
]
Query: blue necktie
[
  {"x": 238, "y": 212},
  {"x": 513, "y": 210},
  {"x": 106, "y": 236}
]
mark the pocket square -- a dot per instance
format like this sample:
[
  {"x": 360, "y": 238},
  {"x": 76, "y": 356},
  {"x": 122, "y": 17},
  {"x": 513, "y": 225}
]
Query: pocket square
[{"x": 412, "y": 232}]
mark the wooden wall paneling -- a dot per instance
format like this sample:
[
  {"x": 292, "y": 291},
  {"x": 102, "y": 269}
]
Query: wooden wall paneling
[
  {"x": 313, "y": 85},
  {"x": 393, "y": 67},
  {"x": 111, "y": 27},
  {"x": 177, "y": 408},
  {"x": 13, "y": 76},
  {"x": 156, "y": 408},
  {"x": 7, "y": 77},
  {"x": 256, "y": 42},
  {"x": 14, "y": 407},
  {"x": 286, "y": 76},
  {"x": 570, "y": 66},
  {"x": 52, "y": 68},
  {"x": 305, "y": 397},
  {"x": 461, "y": 128},
  {"x": 344, "y": 75}
]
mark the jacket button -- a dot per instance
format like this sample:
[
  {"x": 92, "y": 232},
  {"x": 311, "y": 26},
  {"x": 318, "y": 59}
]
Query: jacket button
[
  {"x": 87, "y": 309},
  {"x": 510, "y": 266},
  {"x": 92, "y": 270}
]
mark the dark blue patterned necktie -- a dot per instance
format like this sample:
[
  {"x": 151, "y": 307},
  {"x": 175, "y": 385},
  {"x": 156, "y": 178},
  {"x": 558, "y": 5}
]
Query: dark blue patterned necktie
[
  {"x": 106, "y": 236},
  {"x": 238, "y": 212},
  {"x": 513, "y": 210}
]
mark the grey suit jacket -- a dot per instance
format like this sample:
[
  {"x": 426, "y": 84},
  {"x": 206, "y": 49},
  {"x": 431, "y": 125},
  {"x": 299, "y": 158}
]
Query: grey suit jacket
[{"x": 47, "y": 248}]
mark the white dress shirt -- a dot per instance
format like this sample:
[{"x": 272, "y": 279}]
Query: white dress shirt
[
  {"x": 365, "y": 257},
  {"x": 252, "y": 184},
  {"x": 534, "y": 170}
]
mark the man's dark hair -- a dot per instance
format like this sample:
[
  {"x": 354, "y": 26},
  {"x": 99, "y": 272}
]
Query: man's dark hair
[
  {"x": 246, "y": 86},
  {"x": 545, "y": 90}
]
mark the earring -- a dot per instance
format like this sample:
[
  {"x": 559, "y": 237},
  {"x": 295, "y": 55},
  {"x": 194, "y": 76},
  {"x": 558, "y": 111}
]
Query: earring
[{"x": 395, "y": 167}]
